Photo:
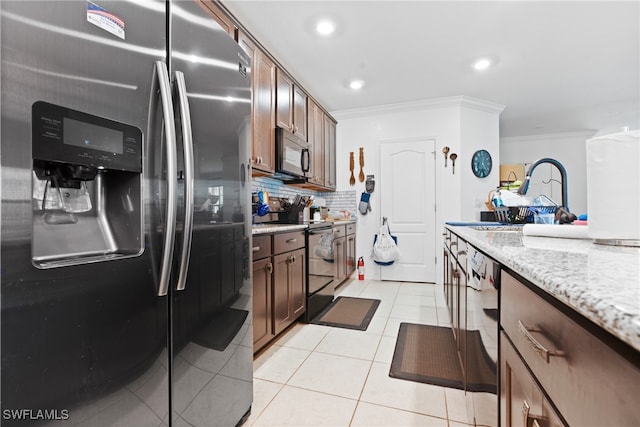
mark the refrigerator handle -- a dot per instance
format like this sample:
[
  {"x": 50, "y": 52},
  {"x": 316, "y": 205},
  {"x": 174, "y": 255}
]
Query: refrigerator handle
[
  {"x": 172, "y": 173},
  {"x": 187, "y": 139}
]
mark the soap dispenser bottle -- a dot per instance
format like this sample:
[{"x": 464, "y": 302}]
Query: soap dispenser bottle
[{"x": 497, "y": 199}]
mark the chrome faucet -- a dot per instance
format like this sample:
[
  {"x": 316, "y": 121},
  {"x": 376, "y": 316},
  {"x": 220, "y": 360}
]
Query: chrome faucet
[{"x": 563, "y": 173}]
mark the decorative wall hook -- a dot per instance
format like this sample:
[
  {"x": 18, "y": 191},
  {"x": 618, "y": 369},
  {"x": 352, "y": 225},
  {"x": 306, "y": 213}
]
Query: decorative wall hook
[
  {"x": 445, "y": 151},
  {"x": 453, "y": 158}
]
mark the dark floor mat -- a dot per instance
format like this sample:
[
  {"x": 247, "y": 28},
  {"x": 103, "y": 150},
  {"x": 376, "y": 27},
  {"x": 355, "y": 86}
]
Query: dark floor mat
[
  {"x": 221, "y": 329},
  {"x": 427, "y": 354},
  {"x": 349, "y": 313}
]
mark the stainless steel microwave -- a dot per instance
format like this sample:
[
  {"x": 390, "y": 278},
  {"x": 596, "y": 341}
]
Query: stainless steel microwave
[{"x": 293, "y": 157}]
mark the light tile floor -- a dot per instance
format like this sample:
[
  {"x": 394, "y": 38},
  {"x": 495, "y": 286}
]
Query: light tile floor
[{"x": 324, "y": 376}]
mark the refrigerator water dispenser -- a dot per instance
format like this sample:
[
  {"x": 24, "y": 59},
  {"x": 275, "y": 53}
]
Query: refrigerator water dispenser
[{"x": 86, "y": 188}]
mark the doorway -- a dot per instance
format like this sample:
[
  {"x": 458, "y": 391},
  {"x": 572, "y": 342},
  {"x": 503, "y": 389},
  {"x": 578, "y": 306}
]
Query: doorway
[{"x": 408, "y": 201}]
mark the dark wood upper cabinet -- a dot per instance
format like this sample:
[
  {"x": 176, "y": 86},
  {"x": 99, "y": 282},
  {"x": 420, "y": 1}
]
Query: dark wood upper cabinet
[
  {"x": 316, "y": 141},
  {"x": 221, "y": 17},
  {"x": 330, "y": 153},
  {"x": 291, "y": 105},
  {"x": 263, "y": 86}
]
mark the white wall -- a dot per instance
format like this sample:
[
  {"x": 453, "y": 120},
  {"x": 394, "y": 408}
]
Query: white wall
[
  {"x": 567, "y": 148},
  {"x": 453, "y": 122},
  {"x": 479, "y": 130}
]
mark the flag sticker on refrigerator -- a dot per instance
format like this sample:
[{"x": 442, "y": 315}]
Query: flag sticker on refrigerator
[{"x": 101, "y": 18}]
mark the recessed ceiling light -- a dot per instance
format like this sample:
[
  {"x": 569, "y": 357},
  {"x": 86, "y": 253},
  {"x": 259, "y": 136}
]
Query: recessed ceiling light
[
  {"x": 325, "y": 27},
  {"x": 356, "y": 84},
  {"x": 482, "y": 64}
]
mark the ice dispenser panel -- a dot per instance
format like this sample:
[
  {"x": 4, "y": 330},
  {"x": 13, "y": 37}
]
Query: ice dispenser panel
[{"x": 87, "y": 187}]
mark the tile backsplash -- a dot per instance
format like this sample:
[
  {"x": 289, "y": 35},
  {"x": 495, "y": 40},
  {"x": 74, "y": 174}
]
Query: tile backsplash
[{"x": 336, "y": 201}]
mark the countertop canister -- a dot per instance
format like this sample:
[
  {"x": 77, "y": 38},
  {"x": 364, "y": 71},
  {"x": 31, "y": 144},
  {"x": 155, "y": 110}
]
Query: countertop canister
[{"x": 613, "y": 179}]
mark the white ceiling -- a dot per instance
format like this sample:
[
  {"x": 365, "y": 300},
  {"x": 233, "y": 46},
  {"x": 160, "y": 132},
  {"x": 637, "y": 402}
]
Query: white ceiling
[{"x": 562, "y": 66}]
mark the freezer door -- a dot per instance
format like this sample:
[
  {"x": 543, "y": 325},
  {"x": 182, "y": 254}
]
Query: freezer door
[
  {"x": 87, "y": 342},
  {"x": 212, "y": 333}
]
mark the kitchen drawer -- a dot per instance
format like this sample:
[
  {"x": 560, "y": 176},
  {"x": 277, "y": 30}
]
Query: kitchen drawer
[
  {"x": 523, "y": 403},
  {"x": 261, "y": 247},
  {"x": 588, "y": 381},
  {"x": 447, "y": 235},
  {"x": 458, "y": 249},
  {"x": 339, "y": 231},
  {"x": 285, "y": 242},
  {"x": 351, "y": 229}
]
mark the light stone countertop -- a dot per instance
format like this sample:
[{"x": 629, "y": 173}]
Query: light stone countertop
[
  {"x": 600, "y": 282},
  {"x": 275, "y": 228}
]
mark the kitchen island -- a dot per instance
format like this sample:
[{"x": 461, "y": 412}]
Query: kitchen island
[
  {"x": 602, "y": 283},
  {"x": 569, "y": 326}
]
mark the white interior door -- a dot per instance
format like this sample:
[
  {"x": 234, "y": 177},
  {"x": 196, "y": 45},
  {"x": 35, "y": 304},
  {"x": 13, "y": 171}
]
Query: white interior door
[{"x": 407, "y": 198}]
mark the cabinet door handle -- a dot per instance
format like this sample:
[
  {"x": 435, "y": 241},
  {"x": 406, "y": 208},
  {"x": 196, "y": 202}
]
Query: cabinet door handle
[
  {"x": 269, "y": 268},
  {"x": 293, "y": 258},
  {"x": 542, "y": 351},
  {"x": 526, "y": 416},
  {"x": 255, "y": 248}
]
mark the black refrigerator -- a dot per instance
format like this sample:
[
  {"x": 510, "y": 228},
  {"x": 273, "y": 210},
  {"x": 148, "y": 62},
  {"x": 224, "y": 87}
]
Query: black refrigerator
[{"x": 125, "y": 279}]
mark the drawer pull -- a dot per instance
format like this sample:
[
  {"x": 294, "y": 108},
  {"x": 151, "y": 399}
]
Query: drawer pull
[
  {"x": 462, "y": 253},
  {"x": 537, "y": 347},
  {"x": 291, "y": 240},
  {"x": 255, "y": 248}
]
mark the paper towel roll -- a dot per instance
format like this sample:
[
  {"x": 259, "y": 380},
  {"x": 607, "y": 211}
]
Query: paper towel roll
[
  {"x": 563, "y": 231},
  {"x": 564, "y": 245},
  {"x": 613, "y": 179}
]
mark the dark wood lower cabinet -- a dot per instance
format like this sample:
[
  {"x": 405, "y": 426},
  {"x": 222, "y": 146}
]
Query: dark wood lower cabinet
[
  {"x": 288, "y": 290},
  {"x": 523, "y": 402},
  {"x": 262, "y": 305},
  {"x": 578, "y": 379},
  {"x": 279, "y": 280}
]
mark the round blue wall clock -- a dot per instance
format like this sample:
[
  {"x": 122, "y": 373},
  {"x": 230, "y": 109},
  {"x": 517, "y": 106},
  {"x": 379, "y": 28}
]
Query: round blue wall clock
[{"x": 481, "y": 163}]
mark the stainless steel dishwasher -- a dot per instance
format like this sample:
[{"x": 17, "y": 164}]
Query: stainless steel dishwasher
[
  {"x": 483, "y": 282},
  {"x": 320, "y": 268}
]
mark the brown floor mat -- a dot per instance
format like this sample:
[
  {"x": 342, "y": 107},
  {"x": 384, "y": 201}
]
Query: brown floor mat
[
  {"x": 349, "y": 313},
  {"x": 427, "y": 354}
]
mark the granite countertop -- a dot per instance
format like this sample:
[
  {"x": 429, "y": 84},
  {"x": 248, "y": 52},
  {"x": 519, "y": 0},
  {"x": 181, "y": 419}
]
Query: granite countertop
[
  {"x": 600, "y": 282},
  {"x": 267, "y": 228},
  {"x": 276, "y": 228}
]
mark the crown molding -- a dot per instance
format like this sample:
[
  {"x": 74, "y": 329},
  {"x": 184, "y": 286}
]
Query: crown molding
[
  {"x": 586, "y": 134},
  {"x": 429, "y": 104}
]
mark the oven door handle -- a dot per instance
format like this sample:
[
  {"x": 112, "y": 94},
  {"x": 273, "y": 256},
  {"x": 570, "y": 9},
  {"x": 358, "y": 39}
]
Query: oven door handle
[{"x": 314, "y": 232}]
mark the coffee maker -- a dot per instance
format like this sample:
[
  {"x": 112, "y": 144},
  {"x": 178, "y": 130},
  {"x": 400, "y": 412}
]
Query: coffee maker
[{"x": 86, "y": 187}]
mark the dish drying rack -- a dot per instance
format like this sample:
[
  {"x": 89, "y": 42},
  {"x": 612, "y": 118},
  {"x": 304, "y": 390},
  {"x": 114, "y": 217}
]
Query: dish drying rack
[{"x": 521, "y": 214}]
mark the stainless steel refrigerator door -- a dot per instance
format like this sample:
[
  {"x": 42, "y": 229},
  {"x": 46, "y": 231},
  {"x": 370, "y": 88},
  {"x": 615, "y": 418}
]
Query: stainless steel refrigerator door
[
  {"x": 88, "y": 342},
  {"x": 212, "y": 339}
]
